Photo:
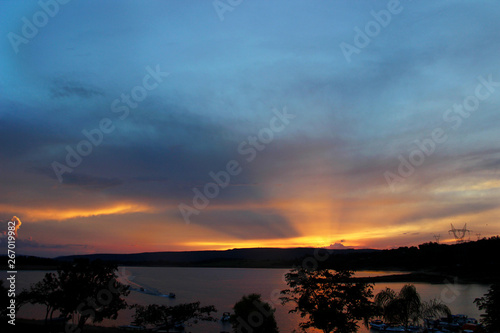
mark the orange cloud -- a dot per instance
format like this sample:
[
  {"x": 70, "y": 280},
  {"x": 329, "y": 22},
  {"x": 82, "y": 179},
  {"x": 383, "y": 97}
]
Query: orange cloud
[
  {"x": 17, "y": 222},
  {"x": 60, "y": 214}
]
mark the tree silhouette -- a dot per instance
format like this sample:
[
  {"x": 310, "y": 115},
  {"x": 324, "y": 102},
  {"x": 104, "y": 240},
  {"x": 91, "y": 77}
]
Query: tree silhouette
[
  {"x": 251, "y": 314},
  {"x": 90, "y": 291},
  {"x": 406, "y": 307},
  {"x": 4, "y": 302},
  {"x": 490, "y": 302},
  {"x": 332, "y": 302},
  {"x": 83, "y": 290},
  {"x": 46, "y": 292},
  {"x": 172, "y": 316}
]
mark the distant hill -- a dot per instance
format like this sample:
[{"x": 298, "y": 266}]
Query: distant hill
[{"x": 253, "y": 257}]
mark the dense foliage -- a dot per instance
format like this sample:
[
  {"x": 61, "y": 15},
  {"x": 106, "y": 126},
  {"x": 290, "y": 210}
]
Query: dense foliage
[
  {"x": 82, "y": 291},
  {"x": 251, "y": 314},
  {"x": 170, "y": 317},
  {"x": 490, "y": 303},
  {"x": 405, "y": 307},
  {"x": 331, "y": 301}
]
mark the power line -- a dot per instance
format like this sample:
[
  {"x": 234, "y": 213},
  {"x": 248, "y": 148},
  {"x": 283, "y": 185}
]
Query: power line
[
  {"x": 459, "y": 234},
  {"x": 437, "y": 238}
]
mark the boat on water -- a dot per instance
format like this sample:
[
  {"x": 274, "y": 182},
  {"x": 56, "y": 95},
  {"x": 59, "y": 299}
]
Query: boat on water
[
  {"x": 394, "y": 328},
  {"x": 454, "y": 323},
  {"x": 226, "y": 316},
  {"x": 377, "y": 325},
  {"x": 153, "y": 292},
  {"x": 132, "y": 327},
  {"x": 145, "y": 291}
]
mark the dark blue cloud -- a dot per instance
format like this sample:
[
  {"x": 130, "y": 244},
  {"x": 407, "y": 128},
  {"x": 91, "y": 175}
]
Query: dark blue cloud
[
  {"x": 248, "y": 225},
  {"x": 353, "y": 119},
  {"x": 62, "y": 89}
]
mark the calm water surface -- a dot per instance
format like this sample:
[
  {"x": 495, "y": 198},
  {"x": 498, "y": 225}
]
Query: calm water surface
[{"x": 223, "y": 287}]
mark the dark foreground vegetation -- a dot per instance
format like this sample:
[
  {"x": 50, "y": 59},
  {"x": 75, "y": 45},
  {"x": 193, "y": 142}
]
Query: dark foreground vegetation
[
  {"x": 83, "y": 292},
  {"x": 470, "y": 261}
]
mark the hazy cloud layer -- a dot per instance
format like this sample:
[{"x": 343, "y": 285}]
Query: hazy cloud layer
[{"x": 354, "y": 121}]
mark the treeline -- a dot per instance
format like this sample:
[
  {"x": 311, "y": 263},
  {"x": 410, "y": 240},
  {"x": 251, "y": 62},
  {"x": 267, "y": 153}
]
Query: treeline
[
  {"x": 474, "y": 260},
  {"x": 31, "y": 263}
]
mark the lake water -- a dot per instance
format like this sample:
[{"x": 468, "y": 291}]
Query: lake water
[{"x": 223, "y": 287}]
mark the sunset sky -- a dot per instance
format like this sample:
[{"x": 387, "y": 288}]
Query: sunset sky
[{"x": 366, "y": 124}]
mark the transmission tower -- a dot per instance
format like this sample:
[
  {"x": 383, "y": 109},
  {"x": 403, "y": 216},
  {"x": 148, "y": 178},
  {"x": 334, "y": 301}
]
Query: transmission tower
[
  {"x": 478, "y": 236},
  {"x": 459, "y": 234},
  {"x": 437, "y": 238}
]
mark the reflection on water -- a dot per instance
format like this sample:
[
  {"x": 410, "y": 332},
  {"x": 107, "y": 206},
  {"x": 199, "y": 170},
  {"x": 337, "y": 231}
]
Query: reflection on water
[{"x": 223, "y": 287}]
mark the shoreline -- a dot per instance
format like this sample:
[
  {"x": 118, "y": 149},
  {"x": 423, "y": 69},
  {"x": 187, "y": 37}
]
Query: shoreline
[{"x": 405, "y": 276}]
